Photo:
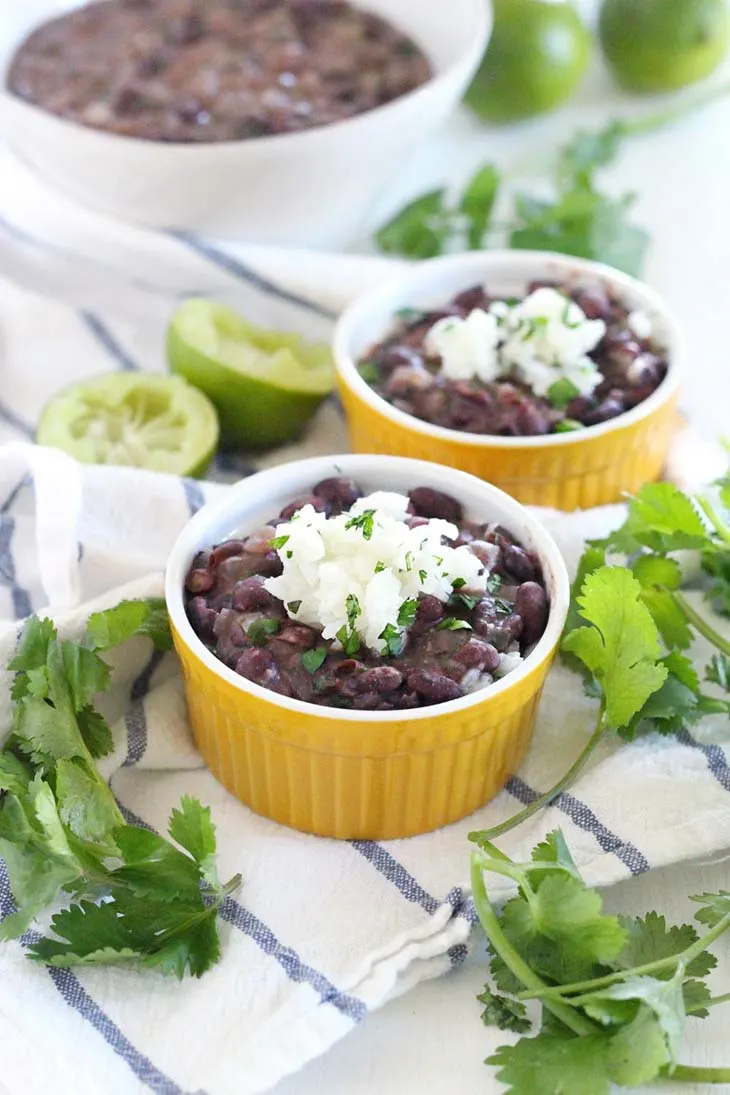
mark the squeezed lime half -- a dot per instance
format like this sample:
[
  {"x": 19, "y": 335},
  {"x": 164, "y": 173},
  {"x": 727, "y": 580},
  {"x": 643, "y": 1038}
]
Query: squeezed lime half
[
  {"x": 266, "y": 385},
  {"x": 160, "y": 423}
]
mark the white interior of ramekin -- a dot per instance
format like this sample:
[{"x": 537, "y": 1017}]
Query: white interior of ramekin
[
  {"x": 248, "y": 504},
  {"x": 431, "y": 284},
  {"x": 451, "y": 34}
]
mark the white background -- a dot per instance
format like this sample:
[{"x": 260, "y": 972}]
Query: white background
[{"x": 432, "y": 1041}]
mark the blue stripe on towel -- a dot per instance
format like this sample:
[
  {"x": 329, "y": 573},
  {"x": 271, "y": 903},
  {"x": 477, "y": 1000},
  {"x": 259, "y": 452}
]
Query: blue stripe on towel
[
  {"x": 714, "y": 755},
  {"x": 15, "y": 421},
  {"x": 240, "y": 270},
  {"x": 135, "y": 719},
  {"x": 19, "y": 596},
  {"x": 193, "y": 495},
  {"x": 76, "y": 996},
  {"x": 296, "y": 970},
  {"x": 582, "y": 816},
  {"x": 387, "y": 865},
  {"x": 104, "y": 336}
]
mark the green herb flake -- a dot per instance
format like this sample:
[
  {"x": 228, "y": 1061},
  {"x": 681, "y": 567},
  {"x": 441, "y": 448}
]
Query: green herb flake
[
  {"x": 260, "y": 631},
  {"x": 494, "y": 582},
  {"x": 363, "y": 522},
  {"x": 394, "y": 640},
  {"x": 294, "y": 606},
  {"x": 379, "y": 568},
  {"x": 423, "y": 575},
  {"x": 452, "y": 623},
  {"x": 458, "y": 583},
  {"x": 468, "y": 600},
  {"x": 348, "y": 640},
  {"x": 279, "y": 541},
  {"x": 313, "y": 659},
  {"x": 407, "y": 612},
  {"x": 369, "y": 372},
  {"x": 561, "y": 393},
  {"x": 567, "y": 425}
]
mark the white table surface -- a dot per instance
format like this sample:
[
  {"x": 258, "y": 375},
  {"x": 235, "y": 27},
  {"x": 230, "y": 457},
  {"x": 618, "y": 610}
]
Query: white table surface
[{"x": 432, "y": 1040}]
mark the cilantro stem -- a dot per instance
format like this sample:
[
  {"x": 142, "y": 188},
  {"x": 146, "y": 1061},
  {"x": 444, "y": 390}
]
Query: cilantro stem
[
  {"x": 649, "y": 122},
  {"x": 485, "y": 835},
  {"x": 690, "y": 1074},
  {"x": 711, "y": 1003},
  {"x": 587, "y": 988},
  {"x": 699, "y": 622},
  {"x": 517, "y": 965},
  {"x": 711, "y": 514}
]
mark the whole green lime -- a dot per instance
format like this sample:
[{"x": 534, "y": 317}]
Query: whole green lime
[
  {"x": 535, "y": 59},
  {"x": 662, "y": 45}
]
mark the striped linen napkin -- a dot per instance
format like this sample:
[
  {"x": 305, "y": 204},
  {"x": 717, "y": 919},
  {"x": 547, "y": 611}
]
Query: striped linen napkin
[{"x": 322, "y": 932}]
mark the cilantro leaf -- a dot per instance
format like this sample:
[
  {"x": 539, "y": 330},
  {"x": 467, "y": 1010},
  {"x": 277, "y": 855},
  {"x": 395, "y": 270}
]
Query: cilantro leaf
[
  {"x": 714, "y": 907},
  {"x": 593, "y": 558},
  {"x": 636, "y": 1053},
  {"x": 192, "y": 828},
  {"x": 419, "y": 230},
  {"x": 87, "y": 675},
  {"x": 85, "y": 804},
  {"x": 500, "y": 1011},
  {"x": 664, "y": 998},
  {"x": 42, "y": 729},
  {"x": 407, "y": 612},
  {"x": 696, "y": 995},
  {"x": 260, "y": 631},
  {"x": 554, "y": 849},
  {"x": 33, "y": 645},
  {"x": 621, "y": 649},
  {"x": 650, "y": 939},
  {"x": 95, "y": 732},
  {"x": 588, "y": 151},
  {"x": 477, "y": 203},
  {"x": 154, "y": 868},
  {"x": 657, "y": 570},
  {"x": 668, "y": 617},
  {"x": 718, "y": 671},
  {"x": 548, "y": 1065},
  {"x": 452, "y": 623},
  {"x": 14, "y": 774},
  {"x": 313, "y": 659},
  {"x": 662, "y": 519},
  {"x": 142, "y": 617}
]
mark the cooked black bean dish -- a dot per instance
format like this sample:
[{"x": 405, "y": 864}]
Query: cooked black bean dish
[
  {"x": 559, "y": 358},
  {"x": 375, "y": 603},
  {"x": 214, "y": 70}
]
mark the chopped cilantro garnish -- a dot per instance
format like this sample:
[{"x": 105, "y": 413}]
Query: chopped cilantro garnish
[
  {"x": 352, "y": 606},
  {"x": 452, "y": 623},
  {"x": 458, "y": 583},
  {"x": 409, "y": 315},
  {"x": 407, "y": 612},
  {"x": 260, "y": 631},
  {"x": 369, "y": 371},
  {"x": 393, "y": 639},
  {"x": 468, "y": 600},
  {"x": 423, "y": 575},
  {"x": 567, "y": 425},
  {"x": 379, "y": 567},
  {"x": 349, "y": 640},
  {"x": 279, "y": 541},
  {"x": 294, "y": 606},
  {"x": 494, "y": 582},
  {"x": 409, "y": 560},
  {"x": 562, "y": 392},
  {"x": 364, "y": 522},
  {"x": 313, "y": 659}
]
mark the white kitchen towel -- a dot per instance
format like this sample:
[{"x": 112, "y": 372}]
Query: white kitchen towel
[{"x": 322, "y": 932}]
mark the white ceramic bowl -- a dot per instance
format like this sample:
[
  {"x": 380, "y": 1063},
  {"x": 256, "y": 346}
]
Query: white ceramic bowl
[
  {"x": 346, "y": 773},
  {"x": 567, "y": 471},
  {"x": 311, "y": 188}
]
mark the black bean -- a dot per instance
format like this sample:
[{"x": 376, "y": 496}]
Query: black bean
[
  {"x": 429, "y": 610},
  {"x": 383, "y": 678},
  {"x": 185, "y": 31},
  {"x": 319, "y": 504},
  {"x": 406, "y": 380},
  {"x": 259, "y": 542},
  {"x": 394, "y": 357},
  {"x": 340, "y": 493},
  {"x": 201, "y": 616},
  {"x": 226, "y": 550},
  {"x": 258, "y": 665},
  {"x": 518, "y": 562},
  {"x": 270, "y": 565},
  {"x": 199, "y": 581},
  {"x": 476, "y": 654},
  {"x": 298, "y": 636},
  {"x": 594, "y": 302},
  {"x": 250, "y": 594},
  {"x": 469, "y": 299},
  {"x": 609, "y": 408},
  {"x": 433, "y": 686},
  {"x": 367, "y": 701},
  {"x": 532, "y": 606},
  {"x": 428, "y": 502},
  {"x": 496, "y": 626}
]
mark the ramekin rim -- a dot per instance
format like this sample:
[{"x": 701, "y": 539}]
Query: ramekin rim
[
  {"x": 346, "y": 366},
  {"x": 547, "y": 550}
]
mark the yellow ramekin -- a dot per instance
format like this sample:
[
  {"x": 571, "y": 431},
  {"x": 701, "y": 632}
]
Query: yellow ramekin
[
  {"x": 566, "y": 471},
  {"x": 359, "y": 774}
]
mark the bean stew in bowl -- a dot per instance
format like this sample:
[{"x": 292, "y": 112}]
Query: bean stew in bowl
[
  {"x": 552, "y": 377},
  {"x": 376, "y": 602},
  {"x": 364, "y": 640}
]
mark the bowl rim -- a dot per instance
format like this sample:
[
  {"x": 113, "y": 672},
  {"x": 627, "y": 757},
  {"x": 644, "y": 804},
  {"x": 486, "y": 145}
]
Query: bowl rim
[
  {"x": 470, "y": 54},
  {"x": 504, "y": 261},
  {"x": 193, "y": 535}
]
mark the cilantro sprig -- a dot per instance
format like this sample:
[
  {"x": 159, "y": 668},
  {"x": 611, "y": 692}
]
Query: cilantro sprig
[
  {"x": 630, "y": 622},
  {"x": 615, "y": 992},
  {"x": 578, "y": 219},
  {"x": 127, "y": 895}
]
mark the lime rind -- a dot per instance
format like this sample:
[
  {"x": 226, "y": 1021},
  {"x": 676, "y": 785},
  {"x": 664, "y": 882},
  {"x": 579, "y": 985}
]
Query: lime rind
[{"x": 282, "y": 359}]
